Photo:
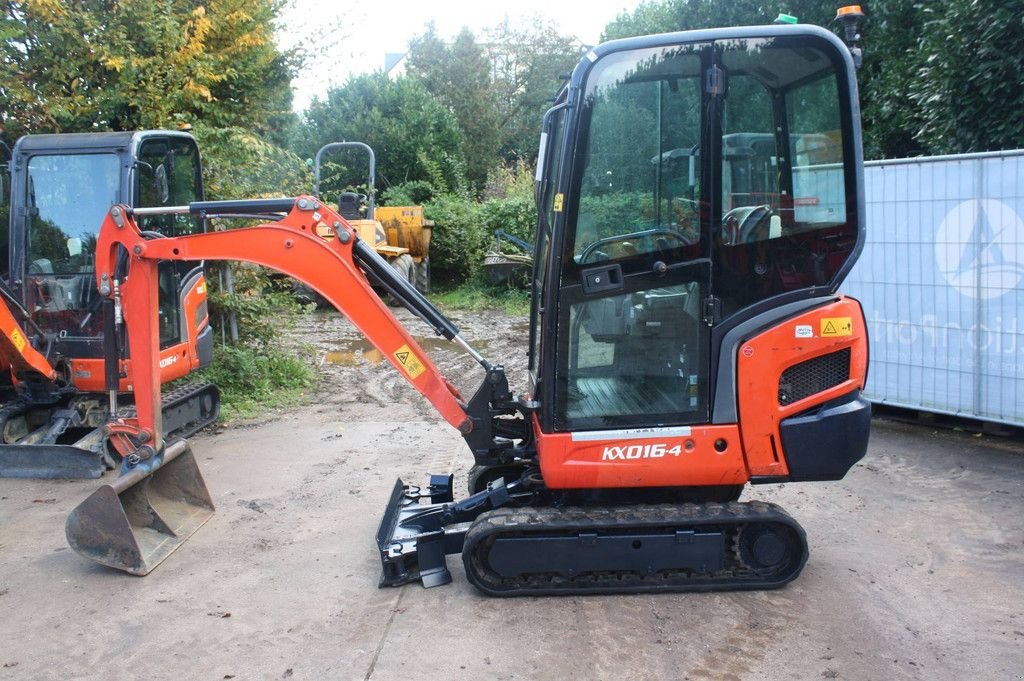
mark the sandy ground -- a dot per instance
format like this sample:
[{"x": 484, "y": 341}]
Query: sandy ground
[{"x": 916, "y": 568}]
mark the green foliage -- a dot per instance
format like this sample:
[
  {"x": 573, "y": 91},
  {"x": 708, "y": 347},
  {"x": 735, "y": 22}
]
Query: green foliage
[
  {"x": 937, "y": 78},
  {"x": 968, "y": 88},
  {"x": 414, "y": 137},
  {"x": 257, "y": 372},
  {"x": 478, "y": 295},
  {"x": 415, "y": 193},
  {"x": 529, "y": 65},
  {"x": 464, "y": 227},
  {"x": 251, "y": 379},
  {"x": 497, "y": 88},
  {"x": 509, "y": 204},
  {"x": 458, "y": 239},
  {"x": 515, "y": 215},
  {"x": 682, "y": 15},
  {"x": 459, "y": 75},
  {"x": 891, "y": 61},
  {"x": 239, "y": 164},
  {"x": 96, "y": 65}
]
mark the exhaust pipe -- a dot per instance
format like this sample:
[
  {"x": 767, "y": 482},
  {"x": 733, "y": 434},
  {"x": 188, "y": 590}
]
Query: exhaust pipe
[{"x": 139, "y": 519}]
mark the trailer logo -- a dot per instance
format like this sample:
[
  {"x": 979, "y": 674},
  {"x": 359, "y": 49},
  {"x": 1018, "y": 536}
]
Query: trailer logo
[
  {"x": 979, "y": 248},
  {"x": 623, "y": 452}
]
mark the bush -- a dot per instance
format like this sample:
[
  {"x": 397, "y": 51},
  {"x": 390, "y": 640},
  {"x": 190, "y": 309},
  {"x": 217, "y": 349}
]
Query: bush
[
  {"x": 250, "y": 378},
  {"x": 516, "y": 215},
  {"x": 413, "y": 193},
  {"x": 459, "y": 239}
]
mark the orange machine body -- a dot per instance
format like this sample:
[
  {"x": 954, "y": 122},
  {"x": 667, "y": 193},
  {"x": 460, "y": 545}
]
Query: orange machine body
[{"x": 721, "y": 454}]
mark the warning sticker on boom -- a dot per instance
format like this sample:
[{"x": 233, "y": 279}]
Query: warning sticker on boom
[
  {"x": 18, "y": 340},
  {"x": 836, "y": 326},
  {"x": 409, "y": 361}
]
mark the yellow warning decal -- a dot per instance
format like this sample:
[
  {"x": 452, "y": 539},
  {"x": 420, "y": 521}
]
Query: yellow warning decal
[
  {"x": 837, "y": 326},
  {"x": 18, "y": 339},
  {"x": 559, "y": 198},
  {"x": 409, "y": 361}
]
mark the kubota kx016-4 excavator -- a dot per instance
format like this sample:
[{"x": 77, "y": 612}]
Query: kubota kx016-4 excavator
[
  {"x": 54, "y": 395},
  {"x": 701, "y": 199}
]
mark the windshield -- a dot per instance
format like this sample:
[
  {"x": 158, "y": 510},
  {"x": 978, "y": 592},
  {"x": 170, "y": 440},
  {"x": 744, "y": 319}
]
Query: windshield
[
  {"x": 69, "y": 195},
  {"x": 732, "y": 150}
]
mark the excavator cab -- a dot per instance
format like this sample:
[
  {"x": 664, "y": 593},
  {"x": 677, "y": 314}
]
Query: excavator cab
[
  {"x": 686, "y": 190},
  {"x": 68, "y": 183}
]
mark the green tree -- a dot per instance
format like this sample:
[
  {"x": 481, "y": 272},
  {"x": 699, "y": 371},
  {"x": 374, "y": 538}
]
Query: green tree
[
  {"x": 240, "y": 164},
  {"x": 108, "y": 65},
  {"x": 414, "y": 137},
  {"x": 683, "y": 15},
  {"x": 460, "y": 76},
  {"x": 891, "y": 63},
  {"x": 936, "y": 79},
  {"x": 969, "y": 86},
  {"x": 529, "y": 64}
]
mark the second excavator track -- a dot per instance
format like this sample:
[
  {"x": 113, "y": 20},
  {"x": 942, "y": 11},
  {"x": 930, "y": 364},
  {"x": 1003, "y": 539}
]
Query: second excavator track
[{"x": 630, "y": 549}]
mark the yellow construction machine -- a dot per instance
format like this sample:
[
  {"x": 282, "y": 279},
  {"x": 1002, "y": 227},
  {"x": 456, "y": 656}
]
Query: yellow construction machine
[{"x": 399, "y": 234}]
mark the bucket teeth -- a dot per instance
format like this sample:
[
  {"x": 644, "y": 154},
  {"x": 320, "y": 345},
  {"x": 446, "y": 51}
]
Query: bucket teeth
[{"x": 135, "y": 522}]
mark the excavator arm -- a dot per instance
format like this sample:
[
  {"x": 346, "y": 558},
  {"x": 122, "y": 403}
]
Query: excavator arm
[
  {"x": 159, "y": 498},
  {"x": 334, "y": 266}
]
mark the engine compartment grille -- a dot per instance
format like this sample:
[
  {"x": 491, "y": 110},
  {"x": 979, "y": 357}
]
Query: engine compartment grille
[{"x": 813, "y": 376}]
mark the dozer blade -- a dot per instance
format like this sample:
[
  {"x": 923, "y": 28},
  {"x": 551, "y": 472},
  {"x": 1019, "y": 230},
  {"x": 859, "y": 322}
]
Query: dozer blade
[
  {"x": 49, "y": 461},
  {"x": 135, "y": 522}
]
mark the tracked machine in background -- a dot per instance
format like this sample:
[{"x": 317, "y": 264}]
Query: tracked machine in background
[
  {"x": 701, "y": 200},
  {"x": 54, "y": 349}
]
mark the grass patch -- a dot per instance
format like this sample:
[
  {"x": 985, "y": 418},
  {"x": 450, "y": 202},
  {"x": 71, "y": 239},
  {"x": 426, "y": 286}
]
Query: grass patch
[
  {"x": 252, "y": 381},
  {"x": 475, "y": 296}
]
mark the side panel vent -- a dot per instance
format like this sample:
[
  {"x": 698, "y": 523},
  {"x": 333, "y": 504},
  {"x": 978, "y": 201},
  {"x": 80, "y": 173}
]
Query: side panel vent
[{"x": 813, "y": 376}]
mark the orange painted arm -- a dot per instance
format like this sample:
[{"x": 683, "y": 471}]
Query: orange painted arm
[
  {"x": 16, "y": 351},
  {"x": 291, "y": 246}
]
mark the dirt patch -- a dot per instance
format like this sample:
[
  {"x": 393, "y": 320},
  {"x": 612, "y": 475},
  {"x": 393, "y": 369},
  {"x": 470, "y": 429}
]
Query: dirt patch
[{"x": 353, "y": 374}]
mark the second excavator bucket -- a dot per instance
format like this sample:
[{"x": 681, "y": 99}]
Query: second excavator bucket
[{"x": 135, "y": 522}]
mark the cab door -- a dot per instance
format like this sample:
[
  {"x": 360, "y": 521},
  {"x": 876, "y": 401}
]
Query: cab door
[
  {"x": 632, "y": 339},
  {"x": 168, "y": 173}
]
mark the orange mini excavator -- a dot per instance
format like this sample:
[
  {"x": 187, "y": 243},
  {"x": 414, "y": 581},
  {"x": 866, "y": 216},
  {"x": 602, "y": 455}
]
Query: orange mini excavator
[
  {"x": 701, "y": 200},
  {"x": 55, "y": 345}
]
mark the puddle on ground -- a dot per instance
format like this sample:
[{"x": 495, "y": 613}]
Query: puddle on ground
[{"x": 353, "y": 352}]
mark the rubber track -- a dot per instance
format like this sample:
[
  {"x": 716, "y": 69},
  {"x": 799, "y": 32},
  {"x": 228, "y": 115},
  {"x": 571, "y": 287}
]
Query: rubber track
[
  {"x": 172, "y": 399},
  {"x": 732, "y": 518}
]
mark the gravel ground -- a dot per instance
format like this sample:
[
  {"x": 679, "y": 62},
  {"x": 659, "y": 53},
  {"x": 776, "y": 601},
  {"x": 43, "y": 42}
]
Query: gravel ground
[{"x": 916, "y": 568}]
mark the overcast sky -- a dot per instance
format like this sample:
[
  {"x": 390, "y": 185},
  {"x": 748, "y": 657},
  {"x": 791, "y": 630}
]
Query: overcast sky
[{"x": 353, "y": 38}]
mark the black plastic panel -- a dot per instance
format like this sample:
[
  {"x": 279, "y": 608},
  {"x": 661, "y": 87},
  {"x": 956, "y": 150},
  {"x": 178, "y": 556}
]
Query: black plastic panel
[{"x": 824, "y": 444}]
